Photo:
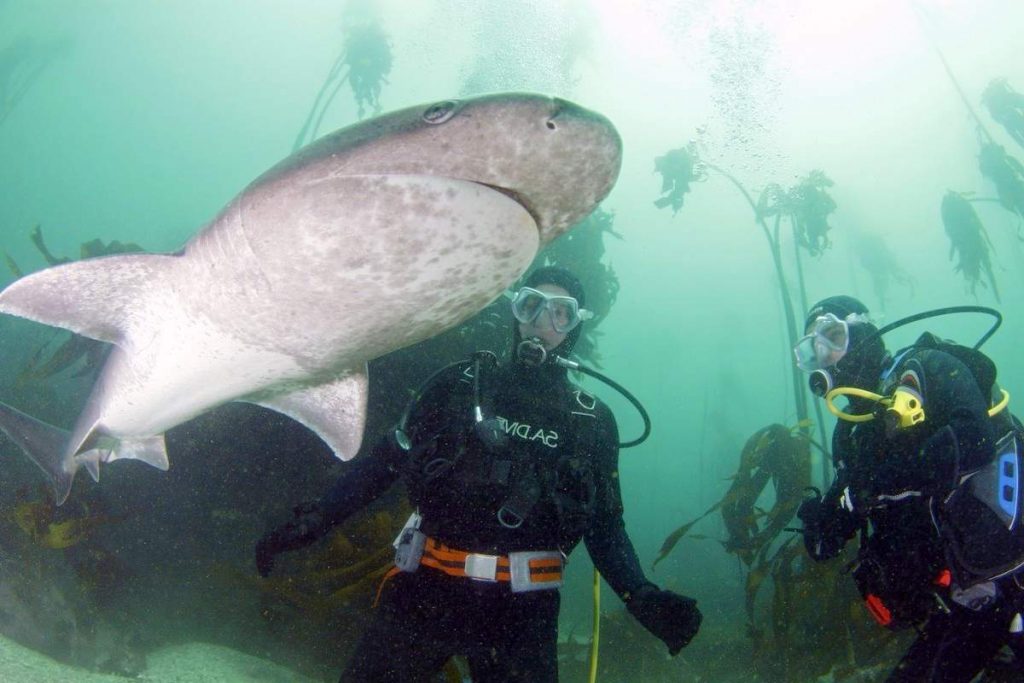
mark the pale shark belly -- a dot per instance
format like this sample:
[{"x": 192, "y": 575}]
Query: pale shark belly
[
  {"x": 314, "y": 304},
  {"x": 403, "y": 258}
]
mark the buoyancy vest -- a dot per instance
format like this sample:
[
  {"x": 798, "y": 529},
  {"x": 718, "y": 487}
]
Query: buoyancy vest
[
  {"x": 452, "y": 470},
  {"x": 982, "y": 519}
]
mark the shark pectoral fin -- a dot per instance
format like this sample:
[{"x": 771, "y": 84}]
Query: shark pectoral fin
[
  {"x": 93, "y": 297},
  {"x": 44, "y": 444},
  {"x": 336, "y": 411}
]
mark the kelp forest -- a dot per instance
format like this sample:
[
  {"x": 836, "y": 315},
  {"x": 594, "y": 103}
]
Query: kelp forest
[
  {"x": 81, "y": 583},
  {"x": 805, "y": 619}
]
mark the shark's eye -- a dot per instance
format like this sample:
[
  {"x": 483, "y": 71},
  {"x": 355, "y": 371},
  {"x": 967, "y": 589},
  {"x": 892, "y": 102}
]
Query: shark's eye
[{"x": 440, "y": 112}]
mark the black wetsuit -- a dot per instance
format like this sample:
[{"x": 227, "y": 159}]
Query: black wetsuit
[
  {"x": 891, "y": 488},
  {"x": 563, "y": 443}
]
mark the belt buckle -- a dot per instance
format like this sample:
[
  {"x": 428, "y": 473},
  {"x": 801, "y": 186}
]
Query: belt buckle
[
  {"x": 482, "y": 567},
  {"x": 519, "y": 567}
]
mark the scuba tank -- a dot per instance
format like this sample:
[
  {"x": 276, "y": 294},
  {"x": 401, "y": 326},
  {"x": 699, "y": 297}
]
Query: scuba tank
[{"x": 981, "y": 520}]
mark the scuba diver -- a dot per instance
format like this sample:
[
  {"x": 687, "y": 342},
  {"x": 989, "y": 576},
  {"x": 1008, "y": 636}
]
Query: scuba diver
[
  {"x": 927, "y": 473},
  {"x": 508, "y": 468},
  {"x": 368, "y": 55},
  {"x": 678, "y": 169}
]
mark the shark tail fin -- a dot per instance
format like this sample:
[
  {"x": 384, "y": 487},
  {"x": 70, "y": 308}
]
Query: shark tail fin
[{"x": 44, "y": 445}]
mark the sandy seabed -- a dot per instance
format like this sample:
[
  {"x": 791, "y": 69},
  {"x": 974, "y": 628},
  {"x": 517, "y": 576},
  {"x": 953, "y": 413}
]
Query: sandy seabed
[{"x": 186, "y": 663}]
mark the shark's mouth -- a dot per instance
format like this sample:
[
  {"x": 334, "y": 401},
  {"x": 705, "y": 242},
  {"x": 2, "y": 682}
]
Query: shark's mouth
[{"x": 517, "y": 198}]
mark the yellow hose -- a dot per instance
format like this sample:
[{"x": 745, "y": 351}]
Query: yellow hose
[
  {"x": 998, "y": 408},
  {"x": 887, "y": 401},
  {"x": 597, "y": 626},
  {"x": 851, "y": 391}
]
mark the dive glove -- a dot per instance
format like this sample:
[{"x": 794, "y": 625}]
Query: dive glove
[
  {"x": 673, "y": 618},
  {"x": 826, "y": 529},
  {"x": 307, "y": 526},
  {"x": 809, "y": 513}
]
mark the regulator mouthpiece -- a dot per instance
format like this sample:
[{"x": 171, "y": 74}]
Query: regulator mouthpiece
[
  {"x": 531, "y": 352},
  {"x": 820, "y": 383}
]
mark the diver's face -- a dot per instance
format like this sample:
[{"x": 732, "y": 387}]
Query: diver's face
[
  {"x": 825, "y": 342},
  {"x": 541, "y": 327}
]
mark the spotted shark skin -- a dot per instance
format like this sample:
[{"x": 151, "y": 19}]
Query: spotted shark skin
[{"x": 370, "y": 239}]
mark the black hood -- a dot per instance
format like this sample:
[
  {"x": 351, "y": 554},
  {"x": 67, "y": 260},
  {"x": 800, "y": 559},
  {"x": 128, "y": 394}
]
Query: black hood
[
  {"x": 560, "y": 277},
  {"x": 862, "y": 365},
  {"x": 840, "y": 306}
]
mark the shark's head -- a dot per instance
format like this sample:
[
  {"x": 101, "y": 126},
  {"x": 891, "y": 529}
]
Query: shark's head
[{"x": 555, "y": 158}]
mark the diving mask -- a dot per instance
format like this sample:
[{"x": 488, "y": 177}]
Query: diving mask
[
  {"x": 563, "y": 311},
  {"x": 826, "y": 342}
]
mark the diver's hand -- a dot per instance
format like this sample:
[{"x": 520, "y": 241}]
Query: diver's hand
[
  {"x": 307, "y": 526},
  {"x": 673, "y": 618},
  {"x": 809, "y": 513},
  {"x": 825, "y": 528}
]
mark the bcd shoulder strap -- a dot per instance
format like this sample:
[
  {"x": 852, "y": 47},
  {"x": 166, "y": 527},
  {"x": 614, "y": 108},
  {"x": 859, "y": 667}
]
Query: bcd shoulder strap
[
  {"x": 527, "y": 486},
  {"x": 982, "y": 368}
]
